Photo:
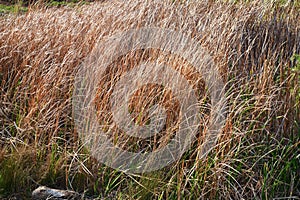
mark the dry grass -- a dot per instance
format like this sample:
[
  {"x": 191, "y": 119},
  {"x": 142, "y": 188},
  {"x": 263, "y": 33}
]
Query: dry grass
[{"x": 257, "y": 155}]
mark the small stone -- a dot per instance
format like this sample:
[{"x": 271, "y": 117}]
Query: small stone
[{"x": 45, "y": 193}]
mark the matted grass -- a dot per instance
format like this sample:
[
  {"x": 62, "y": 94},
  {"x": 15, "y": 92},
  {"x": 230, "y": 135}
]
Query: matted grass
[{"x": 257, "y": 155}]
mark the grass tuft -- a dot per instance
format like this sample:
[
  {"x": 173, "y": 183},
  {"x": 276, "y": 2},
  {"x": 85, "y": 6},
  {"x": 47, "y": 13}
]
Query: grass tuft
[{"x": 256, "y": 49}]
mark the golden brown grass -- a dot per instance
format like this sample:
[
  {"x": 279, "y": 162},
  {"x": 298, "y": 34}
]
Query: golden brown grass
[{"x": 257, "y": 154}]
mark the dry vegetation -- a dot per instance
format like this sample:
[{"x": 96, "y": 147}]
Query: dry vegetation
[{"x": 257, "y": 155}]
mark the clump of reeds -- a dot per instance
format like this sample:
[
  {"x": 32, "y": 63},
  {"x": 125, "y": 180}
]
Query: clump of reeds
[{"x": 251, "y": 45}]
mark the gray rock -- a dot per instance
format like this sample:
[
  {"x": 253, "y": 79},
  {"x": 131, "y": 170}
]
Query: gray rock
[{"x": 45, "y": 193}]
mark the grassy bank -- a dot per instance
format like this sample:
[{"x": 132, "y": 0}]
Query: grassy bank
[
  {"x": 6, "y": 9},
  {"x": 21, "y": 7},
  {"x": 254, "y": 47}
]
